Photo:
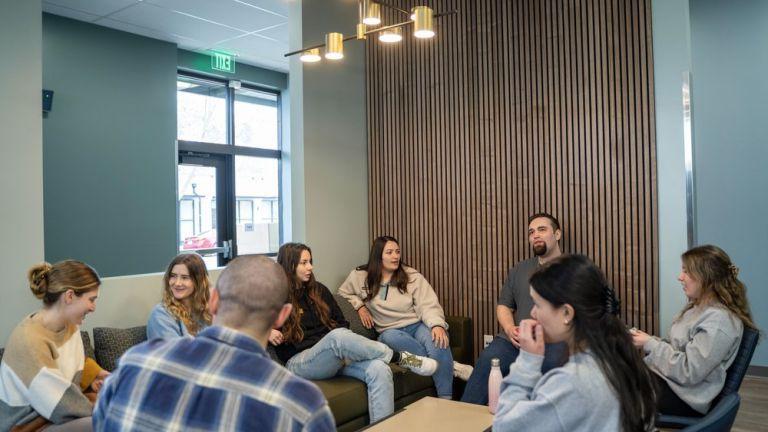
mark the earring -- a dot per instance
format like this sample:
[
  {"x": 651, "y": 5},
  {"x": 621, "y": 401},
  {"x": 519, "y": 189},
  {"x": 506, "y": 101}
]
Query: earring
[{"x": 566, "y": 322}]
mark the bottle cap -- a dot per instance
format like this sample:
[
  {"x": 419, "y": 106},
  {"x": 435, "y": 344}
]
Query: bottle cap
[{"x": 495, "y": 362}]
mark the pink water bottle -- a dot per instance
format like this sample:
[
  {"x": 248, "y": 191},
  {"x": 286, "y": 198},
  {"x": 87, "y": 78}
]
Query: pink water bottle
[{"x": 494, "y": 385}]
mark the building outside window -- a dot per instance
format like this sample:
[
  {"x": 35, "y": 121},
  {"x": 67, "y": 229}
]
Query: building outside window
[{"x": 229, "y": 198}]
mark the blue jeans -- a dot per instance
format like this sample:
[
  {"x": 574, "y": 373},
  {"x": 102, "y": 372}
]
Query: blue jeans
[
  {"x": 367, "y": 361},
  {"x": 417, "y": 339},
  {"x": 476, "y": 391}
]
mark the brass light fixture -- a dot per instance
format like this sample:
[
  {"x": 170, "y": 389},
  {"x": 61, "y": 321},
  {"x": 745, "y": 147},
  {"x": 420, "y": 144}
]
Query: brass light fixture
[
  {"x": 311, "y": 55},
  {"x": 334, "y": 46},
  {"x": 392, "y": 35},
  {"x": 369, "y": 14},
  {"x": 422, "y": 22},
  {"x": 372, "y": 13}
]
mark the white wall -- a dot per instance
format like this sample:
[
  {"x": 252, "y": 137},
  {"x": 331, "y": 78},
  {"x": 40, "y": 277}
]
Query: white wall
[
  {"x": 21, "y": 157},
  {"x": 329, "y": 144},
  {"x": 672, "y": 57},
  {"x": 125, "y": 301}
]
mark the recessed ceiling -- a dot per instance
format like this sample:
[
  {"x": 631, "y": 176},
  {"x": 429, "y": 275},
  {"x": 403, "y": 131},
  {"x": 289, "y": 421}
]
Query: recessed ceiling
[{"x": 255, "y": 30}]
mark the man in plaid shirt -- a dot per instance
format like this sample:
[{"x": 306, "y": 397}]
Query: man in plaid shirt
[{"x": 223, "y": 379}]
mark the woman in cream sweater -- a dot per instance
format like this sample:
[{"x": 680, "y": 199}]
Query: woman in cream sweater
[
  {"x": 402, "y": 306},
  {"x": 45, "y": 379}
]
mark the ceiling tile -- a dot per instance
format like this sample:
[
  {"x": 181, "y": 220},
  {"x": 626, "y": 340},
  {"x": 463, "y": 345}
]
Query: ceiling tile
[
  {"x": 179, "y": 40},
  {"x": 100, "y": 8},
  {"x": 279, "y": 7},
  {"x": 164, "y": 20},
  {"x": 225, "y": 12},
  {"x": 67, "y": 12},
  {"x": 278, "y": 33},
  {"x": 254, "y": 46}
]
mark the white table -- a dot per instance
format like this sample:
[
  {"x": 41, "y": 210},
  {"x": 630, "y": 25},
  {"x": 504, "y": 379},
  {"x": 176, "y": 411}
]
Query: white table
[{"x": 430, "y": 413}]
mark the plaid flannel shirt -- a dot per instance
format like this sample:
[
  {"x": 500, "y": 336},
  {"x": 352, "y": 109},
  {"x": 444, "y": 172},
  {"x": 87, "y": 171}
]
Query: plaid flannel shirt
[{"x": 221, "y": 380}]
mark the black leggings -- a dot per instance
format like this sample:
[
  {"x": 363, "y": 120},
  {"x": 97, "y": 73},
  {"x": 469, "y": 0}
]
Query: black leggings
[{"x": 669, "y": 403}]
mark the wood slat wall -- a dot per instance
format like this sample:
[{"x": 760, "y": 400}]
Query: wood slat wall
[{"x": 516, "y": 107}]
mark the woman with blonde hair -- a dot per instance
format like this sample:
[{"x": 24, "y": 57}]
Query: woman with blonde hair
[
  {"x": 45, "y": 379},
  {"x": 704, "y": 339},
  {"x": 184, "y": 309}
]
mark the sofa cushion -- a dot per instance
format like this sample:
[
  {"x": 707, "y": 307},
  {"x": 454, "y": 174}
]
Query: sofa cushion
[
  {"x": 87, "y": 345},
  {"x": 354, "y": 319},
  {"x": 348, "y": 397},
  {"x": 111, "y": 343}
]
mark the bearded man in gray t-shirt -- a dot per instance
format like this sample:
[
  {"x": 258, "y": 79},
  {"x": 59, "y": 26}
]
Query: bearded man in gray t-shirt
[{"x": 515, "y": 305}]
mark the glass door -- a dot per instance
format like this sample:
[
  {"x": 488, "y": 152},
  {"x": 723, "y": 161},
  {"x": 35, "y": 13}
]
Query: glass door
[{"x": 202, "y": 207}]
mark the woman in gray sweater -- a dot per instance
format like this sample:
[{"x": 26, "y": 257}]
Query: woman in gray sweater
[
  {"x": 604, "y": 386},
  {"x": 691, "y": 365}
]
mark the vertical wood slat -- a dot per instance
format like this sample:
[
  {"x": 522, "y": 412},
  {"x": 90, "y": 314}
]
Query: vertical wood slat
[{"x": 517, "y": 107}]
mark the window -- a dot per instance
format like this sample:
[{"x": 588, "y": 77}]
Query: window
[
  {"x": 229, "y": 200},
  {"x": 244, "y": 210}
]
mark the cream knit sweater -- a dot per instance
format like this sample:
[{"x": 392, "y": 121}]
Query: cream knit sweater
[{"x": 418, "y": 303}]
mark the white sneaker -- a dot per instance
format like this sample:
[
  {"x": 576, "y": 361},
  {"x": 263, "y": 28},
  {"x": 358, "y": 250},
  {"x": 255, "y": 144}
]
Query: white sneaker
[
  {"x": 462, "y": 371},
  {"x": 423, "y": 366}
]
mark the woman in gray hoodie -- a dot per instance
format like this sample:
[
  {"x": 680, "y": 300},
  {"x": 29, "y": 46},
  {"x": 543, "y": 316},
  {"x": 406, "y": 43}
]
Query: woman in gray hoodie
[
  {"x": 604, "y": 386},
  {"x": 691, "y": 364}
]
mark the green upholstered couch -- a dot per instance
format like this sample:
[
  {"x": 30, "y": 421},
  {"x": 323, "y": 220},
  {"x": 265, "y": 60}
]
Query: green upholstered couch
[{"x": 346, "y": 396}]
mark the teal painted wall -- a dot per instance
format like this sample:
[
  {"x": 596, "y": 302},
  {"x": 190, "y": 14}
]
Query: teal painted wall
[
  {"x": 109, "y": 147},
  {"x": 729, "y": 42},
  {"x": 264, "y": 77}
]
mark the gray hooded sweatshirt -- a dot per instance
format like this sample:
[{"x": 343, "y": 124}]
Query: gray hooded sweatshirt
[{"x": 575, "y": 397}]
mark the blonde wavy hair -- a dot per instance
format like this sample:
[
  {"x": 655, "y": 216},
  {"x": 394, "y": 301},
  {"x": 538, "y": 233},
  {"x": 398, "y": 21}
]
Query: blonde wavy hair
[
  {"x": 49, "y": 281},
  {"x": 200, "y": 295},
  {"x": 719, "y": 279}
]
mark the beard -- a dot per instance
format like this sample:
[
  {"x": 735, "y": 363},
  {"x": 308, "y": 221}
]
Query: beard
[{"x": 540, "y": 249}]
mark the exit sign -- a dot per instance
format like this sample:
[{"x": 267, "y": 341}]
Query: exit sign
[{"x": 223, "y": 62}]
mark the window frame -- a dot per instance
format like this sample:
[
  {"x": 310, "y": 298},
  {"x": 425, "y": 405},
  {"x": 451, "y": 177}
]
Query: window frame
[{"x": 230, "y": 150}]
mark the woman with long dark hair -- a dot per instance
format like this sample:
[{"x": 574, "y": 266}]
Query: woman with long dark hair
[
  {"x": 46, "y": 380},
  {"x": 402, "y": 306},
  {"x": 604, "y": 386},
  {"x": 316, "y": 343},
  {"x": 691, "y": 365},
  {"x": 184, "y": 309}
]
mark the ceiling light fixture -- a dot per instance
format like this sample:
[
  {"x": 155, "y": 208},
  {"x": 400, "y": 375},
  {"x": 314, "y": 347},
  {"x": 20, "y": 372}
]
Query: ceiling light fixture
[
  {"x": 334, "y": 46},
  {"x": 369, "y": 14},
  {"x": 372, "y": 13},
  {"x": 310, "y": 55},
  {"x": 422, "y": 22},
  {"x": 392, "y": 35}
]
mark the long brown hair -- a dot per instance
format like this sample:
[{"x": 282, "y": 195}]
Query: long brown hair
[
  {"x": 289, "y": 256},
  {"x": 719, "y": 279},
  {"x": 575, "y": 280},
  {"x": 374, "y": 268},
  {"x": 200, "y": 295},
  {"x": 49, "y": 281}
]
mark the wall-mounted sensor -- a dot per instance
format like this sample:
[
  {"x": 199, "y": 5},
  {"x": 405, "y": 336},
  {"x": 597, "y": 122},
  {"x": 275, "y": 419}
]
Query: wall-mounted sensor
[{"x": 47, "y": 100}]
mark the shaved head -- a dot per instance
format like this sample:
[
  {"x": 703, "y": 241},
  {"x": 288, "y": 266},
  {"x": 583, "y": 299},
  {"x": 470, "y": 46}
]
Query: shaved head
[{"x": 251, "y": 290}]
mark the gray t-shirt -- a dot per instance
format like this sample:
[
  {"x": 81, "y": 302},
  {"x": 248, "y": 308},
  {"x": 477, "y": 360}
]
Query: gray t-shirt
[{"x": 516, "y": 293}]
